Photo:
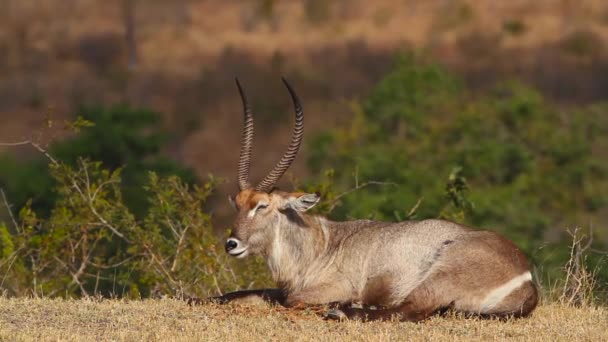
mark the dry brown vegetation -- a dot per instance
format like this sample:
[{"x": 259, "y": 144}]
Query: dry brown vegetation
[
  {"x": 55, "y": 54},
  {"x": 170, "y": 320}
]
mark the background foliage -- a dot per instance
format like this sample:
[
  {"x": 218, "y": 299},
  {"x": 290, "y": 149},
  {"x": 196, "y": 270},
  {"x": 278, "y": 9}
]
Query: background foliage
[
  {"x": 91, "y": 243},
  {"x": 111, "y": 216},
  {"x": 119, "y": 136}
]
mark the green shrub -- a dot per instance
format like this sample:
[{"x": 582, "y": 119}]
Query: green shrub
[
  {"x": 92, "y": 243},
  {"x": 118, "y": 136},
  {"x": 514, "y": 27}
]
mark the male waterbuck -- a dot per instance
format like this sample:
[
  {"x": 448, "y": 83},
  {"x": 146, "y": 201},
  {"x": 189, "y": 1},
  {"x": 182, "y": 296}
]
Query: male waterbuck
[{"x": 408, "y": 270}]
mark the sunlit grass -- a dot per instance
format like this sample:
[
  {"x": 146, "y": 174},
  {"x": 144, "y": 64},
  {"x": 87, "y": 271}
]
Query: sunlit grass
[{"x": 168, "y": 320}]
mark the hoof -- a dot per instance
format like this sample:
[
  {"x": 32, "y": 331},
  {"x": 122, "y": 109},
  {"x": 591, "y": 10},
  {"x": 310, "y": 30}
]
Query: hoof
[
  {"x": 336, "y": 315},
  {"x": 197, "y": 301}
]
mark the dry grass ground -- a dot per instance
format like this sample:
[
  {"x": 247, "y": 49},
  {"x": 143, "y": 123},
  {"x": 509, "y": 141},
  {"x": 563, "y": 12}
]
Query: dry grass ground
[{"x": 168, "y": 320}]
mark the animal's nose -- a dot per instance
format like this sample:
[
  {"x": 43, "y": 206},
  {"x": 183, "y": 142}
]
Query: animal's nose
[{"x": 231, "y": 244}]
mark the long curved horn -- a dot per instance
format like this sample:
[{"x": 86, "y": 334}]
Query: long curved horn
[
  {"x": 246, "y": 141},
  {"x": 292, "y": 150}
]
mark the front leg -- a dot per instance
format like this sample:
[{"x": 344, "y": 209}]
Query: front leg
[
  {"x": 404, "y": 312},
  {"x": 317, "y": 299},
  {"x": 272, "y": 296},
  {"x": 323, "y": 294}
]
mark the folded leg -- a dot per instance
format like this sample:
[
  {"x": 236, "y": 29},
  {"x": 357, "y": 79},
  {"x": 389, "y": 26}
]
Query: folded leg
[{"x": 272, "y": 296}]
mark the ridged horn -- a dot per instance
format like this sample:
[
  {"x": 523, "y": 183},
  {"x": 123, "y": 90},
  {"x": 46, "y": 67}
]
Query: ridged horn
[
  {"x": 246, "y": 141},
  {"x": 292, "y": 150}
]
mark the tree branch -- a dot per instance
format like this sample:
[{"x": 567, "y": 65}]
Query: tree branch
[
  {"x": 19, "y": 143},
  {"x": 10, "y": 212},
  {"x": 336, "y": 199}
]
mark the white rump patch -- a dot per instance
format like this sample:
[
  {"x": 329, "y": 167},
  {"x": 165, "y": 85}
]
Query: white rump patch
[{"x": 498, "y": 294}]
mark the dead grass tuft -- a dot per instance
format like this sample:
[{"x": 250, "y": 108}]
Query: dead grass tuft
[{"x": 580, "y": 282}]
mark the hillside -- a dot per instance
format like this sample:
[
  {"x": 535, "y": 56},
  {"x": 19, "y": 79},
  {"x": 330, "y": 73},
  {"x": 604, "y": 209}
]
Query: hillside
[{"x": 57, "y": 54}]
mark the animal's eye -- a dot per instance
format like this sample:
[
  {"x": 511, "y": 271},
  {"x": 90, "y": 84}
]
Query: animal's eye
[{"x": 262, "y": 206}]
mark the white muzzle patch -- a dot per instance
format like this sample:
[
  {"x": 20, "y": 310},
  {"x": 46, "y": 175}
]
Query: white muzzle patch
[{"x": 236, "y": 248}]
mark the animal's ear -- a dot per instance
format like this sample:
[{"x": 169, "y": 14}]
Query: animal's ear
[
  {"x": 232, "y": 202},
  {"x": 301, "y": 201}
]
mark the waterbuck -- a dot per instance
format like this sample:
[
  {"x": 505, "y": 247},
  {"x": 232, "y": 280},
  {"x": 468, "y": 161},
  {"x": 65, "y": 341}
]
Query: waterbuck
[{"x": 407, "y": 270}]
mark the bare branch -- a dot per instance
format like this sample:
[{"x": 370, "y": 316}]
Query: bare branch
[
  {"x": 179, "y": 249},
  {"x": 111, "y": 181},
  {"x": 414, "y": 208},
  {"x": 598, "y": 251},
  {"x": 10, "y": 212},
  {"x": 589, "y": 240},
  {"x": 173, "y": 230},
  {"x": 579, "y": 282},
  {"x": 75, "y": 280},
  {"x": 160, "y": 264},
  {"x": 12, "y": 259},
  {"x": 217, "y": 286},
  {"x": 19, "y": 143},
  {"x": 107, "y": 224},
  {"x": 45, "y": 152},
  {"x": 107, "y": 267},
  {"x": 336, "y": 199},
  {"x": 33, "y": 144}
]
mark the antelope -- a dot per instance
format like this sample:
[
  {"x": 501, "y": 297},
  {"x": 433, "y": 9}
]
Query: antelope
[{"x": 364, "y": 269}]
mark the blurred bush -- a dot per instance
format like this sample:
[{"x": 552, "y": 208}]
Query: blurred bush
[
  {"x": 91, "y": 244},
  {"x": 317, "y": 11},
  {"x": 582, "y": 44},
  {"x": 514, "y": 27},
  {"x": 118, "y": 136},
  {"x": 100, "y": 51},
  {"x": 105, "y": 213}
]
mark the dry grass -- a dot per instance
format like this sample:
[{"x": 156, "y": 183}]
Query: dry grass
[{"x": 166, "y": 320}]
